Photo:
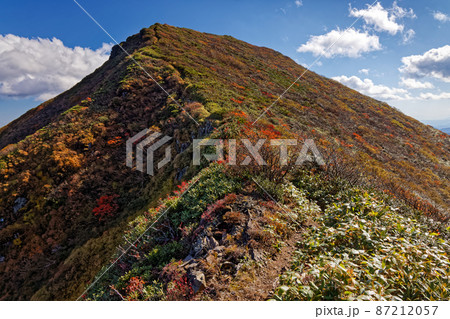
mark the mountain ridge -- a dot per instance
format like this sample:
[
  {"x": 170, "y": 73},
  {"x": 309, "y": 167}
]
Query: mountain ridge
[{"x": 69, "y": 155}]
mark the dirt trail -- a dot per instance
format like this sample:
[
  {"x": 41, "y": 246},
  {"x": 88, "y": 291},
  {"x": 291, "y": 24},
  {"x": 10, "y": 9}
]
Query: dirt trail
[{"x": 264, "y": 279}]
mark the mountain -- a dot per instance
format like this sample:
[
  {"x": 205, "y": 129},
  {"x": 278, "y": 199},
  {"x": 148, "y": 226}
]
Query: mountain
[
  {"x": 68, "y": 199},
  {"x": 439, "y": 124},
  {"x": 443, "y": 125}
]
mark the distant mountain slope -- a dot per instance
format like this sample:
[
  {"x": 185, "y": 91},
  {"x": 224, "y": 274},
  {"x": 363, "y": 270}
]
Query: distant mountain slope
[
  {"x": 65, "y": 158},
  {"x": 439, "y": 124}
]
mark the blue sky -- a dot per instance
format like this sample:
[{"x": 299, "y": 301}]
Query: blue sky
[{"x": 39, "y": 58}]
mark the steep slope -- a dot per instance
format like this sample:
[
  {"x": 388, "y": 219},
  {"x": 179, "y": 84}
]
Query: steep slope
[
  {"x": 69, "y": 153},
  {"x": 364, "y": 245}
]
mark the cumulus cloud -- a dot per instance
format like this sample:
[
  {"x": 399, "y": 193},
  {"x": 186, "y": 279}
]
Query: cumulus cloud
[
  {"x": 377, "y": 91},
  {"x": 382, "y": 19},
  {"x": 298, "y": 3},
  {"x": 43, "y": 68},
  {"x": 433, "y": 63},
  {"x": 364, "y": 71},
  {"x": 441, "y": 17},
  {"x": 351, "y": 43},
  {"x": 432, "y": 96},
  {"x": 414, "y": 84}
]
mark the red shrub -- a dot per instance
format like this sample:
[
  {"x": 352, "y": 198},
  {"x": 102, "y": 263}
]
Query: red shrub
[
  {"x": 181, "y": 289},
  {"x": 236, "y": 101},
  {"x": 136, "y": 284},
  {"x": 106, "y": 207},
  {"x": 116, "y": 140}
]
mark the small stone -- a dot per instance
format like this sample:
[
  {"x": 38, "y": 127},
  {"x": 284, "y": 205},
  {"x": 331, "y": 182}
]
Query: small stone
[
  {"x": 191, "y": 266},
  {"x": 212, "y": 242},
  {"x": 210, "y": 259},
  {"x": 198, "y": 280},
  {"x": 219, "y": 248}
]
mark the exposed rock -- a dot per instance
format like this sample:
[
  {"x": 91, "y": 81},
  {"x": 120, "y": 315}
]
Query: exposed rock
[
  {"x": 180, "y": 173},
  {"x": 181, "y": 147},
  {"x": 257, "y": 255},
  {"x": 197, "y": 246},
  {"x": 210, "y": 258},
  {"x": 219, "y": 248},
  {"x": 191, "y": 265},
  {"x": 203, "y": 244},
  {"x": 206, "y": 129},
  {"x": 19, "y": 203},
  {"x": 188, "y": 259},
  {"x": 198, "y": 280}
]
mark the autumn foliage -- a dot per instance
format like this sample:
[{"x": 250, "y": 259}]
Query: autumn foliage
[
  {"x": 136, "y": 284},
  {"x": 106, "y": 207},
  {"x": 181, "y": 289}
]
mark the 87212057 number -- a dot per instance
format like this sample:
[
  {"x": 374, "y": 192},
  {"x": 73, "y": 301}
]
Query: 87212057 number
[{"x": 406, "y": 310}]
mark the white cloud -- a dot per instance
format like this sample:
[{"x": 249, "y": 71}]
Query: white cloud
[
  {"x": 433, "y": 63},
  {"x": 408, "y": 36},
  {"x": 382, "y": 19},
  {"x": 414, "y": 84},
  {"x": 351, "y": 43},
  {"x": 43, "y": 68},
  {"x": 431, "y": 96},
  {"x": 367, "y": 87},
  {"x": 364, "y": 71},
  {"x": 441, "y": 17},
  {"x": 298, "y": 3}
]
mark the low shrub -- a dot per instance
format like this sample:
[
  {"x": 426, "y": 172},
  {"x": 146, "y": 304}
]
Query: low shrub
[{"x": 365, "y": 250}]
